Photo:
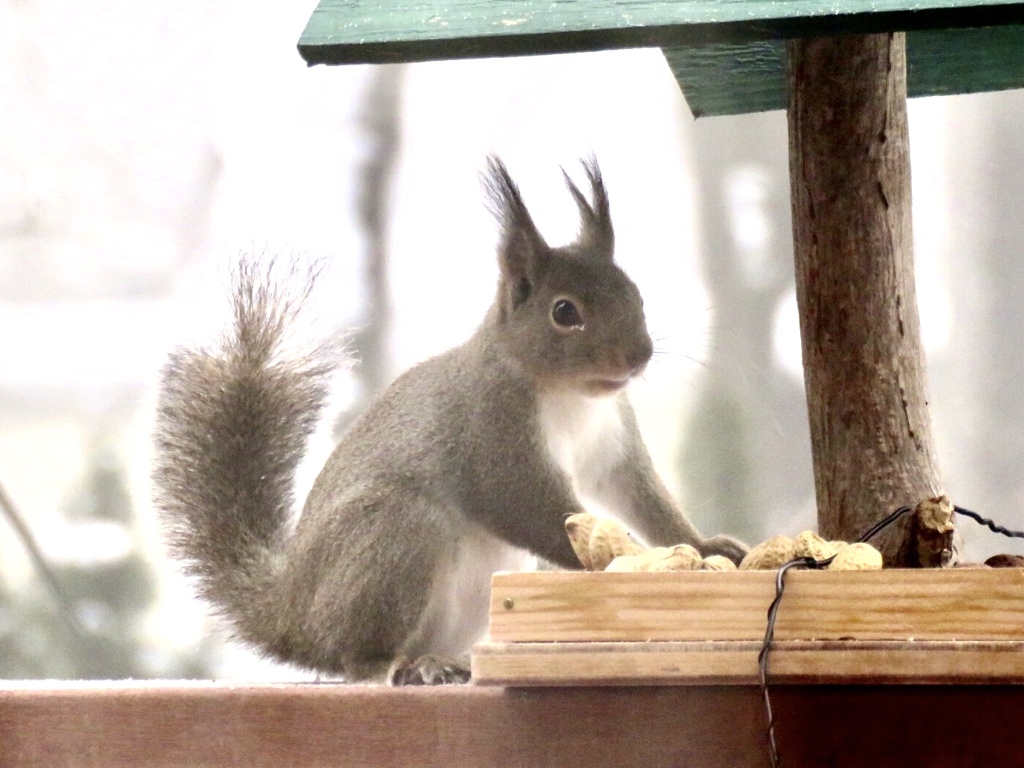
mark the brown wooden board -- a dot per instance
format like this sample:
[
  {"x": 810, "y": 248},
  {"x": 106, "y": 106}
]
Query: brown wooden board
[
  {"x": 911, "y": 604},
  {"x": 211, "y": 725},
  {"x": 793, "y": 661},
  {"x": 891, "y": 626}
]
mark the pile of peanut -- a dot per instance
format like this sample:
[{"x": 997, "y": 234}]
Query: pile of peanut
[{"x": 603, "y": 544}]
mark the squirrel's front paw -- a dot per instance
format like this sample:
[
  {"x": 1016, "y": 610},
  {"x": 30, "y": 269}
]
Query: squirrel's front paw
[
  {"x": 727, "y": 546},
  {"x": 428, "y": 670}
]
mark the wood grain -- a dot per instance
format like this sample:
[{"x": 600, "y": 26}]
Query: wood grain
[
  {"x": 728, "y": 56},
  {"x": 365, "y": 31},
  {"x": 963, "y": 604},
  {"x": 864, "y": 365},
  {"x": 122, "y": 725},
  {"x": 211, "y": 725},
  {"x": 712, "y": 663},
  {"x": 736, "y": 78}
]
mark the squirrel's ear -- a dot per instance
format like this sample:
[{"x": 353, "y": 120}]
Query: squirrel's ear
[
  {"x": 596, "y": 234},
  {"x": 522, "y": 248}
]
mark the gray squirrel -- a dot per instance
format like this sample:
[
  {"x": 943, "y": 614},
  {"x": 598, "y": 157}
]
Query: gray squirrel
[{"x": 467, "y": 464}]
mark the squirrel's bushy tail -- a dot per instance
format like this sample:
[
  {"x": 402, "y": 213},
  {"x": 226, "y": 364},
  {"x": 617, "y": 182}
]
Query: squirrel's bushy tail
[{"x": 232, "y": 426}]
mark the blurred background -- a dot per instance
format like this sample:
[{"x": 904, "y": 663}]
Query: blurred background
[{"x": 143, "y": 147}]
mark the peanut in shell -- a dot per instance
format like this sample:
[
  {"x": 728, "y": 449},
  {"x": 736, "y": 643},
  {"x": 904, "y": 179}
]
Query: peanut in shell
[
  {"x": 579, "y": 527},
  {"x": 769, "y": 554},
  {"x": 717, "y": 563},
  {"x": 626, "y": 564},
  {"x": 610, "y": 539},
  {"x": 681, "y": 557},
  {"x": 857, "y": 557},
  {"x": 810, "y": 544}
]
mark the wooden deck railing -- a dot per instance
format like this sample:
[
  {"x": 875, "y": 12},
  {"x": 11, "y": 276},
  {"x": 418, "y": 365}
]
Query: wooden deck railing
[{"x": 215, "y": 725}]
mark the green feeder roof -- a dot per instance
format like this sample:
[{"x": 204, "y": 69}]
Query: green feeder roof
[{"x": 728, "y": 55}]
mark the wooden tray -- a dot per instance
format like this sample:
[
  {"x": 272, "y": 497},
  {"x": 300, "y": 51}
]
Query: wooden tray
[{"x": 958, "y": 625}]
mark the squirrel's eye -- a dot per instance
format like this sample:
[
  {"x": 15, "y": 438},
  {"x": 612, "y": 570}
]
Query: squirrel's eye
[{"x": 565, "y": 314}]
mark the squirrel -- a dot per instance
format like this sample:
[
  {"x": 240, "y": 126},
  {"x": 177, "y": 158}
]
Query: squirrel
[{"x": 467, "y": 464}]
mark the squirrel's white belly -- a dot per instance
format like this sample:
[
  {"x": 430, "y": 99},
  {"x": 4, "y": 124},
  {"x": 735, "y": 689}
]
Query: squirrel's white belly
[
  {"x": 583, "y": 436},
  {"x": 456, "y": 615}
]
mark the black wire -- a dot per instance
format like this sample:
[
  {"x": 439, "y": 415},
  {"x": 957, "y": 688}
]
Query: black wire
[
  {"x": 773, "y": 609},
  {"x": 992, "y": 526},
  {"x": 884, "y": 523},
  {"x": 810, "y": 562},
  {"x": 762, "y": 657}
]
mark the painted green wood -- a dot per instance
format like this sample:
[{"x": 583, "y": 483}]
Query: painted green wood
[
  {"x": 368, "y": 31},
  {"x": 729, "y": 79},
  {"x": 975, "y": 60},
  {"x": 725, "y": 79}
]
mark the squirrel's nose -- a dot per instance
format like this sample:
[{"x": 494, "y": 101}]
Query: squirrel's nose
[{"x": 639, "y": 355}]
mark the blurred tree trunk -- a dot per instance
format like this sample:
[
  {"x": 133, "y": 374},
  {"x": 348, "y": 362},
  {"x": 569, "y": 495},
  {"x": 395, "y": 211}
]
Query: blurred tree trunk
[
  {"x": 381, "y": 125},
  {"x": 863, "y": 360},
  {"x": 747, "y": 457}
]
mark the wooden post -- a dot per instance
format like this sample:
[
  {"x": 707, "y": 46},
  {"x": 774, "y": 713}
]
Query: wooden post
[{"x": 863, "y": 362}]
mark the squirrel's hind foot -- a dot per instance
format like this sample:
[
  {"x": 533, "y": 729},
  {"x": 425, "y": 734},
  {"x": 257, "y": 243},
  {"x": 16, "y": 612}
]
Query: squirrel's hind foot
[{"x": 428, "y": 670}]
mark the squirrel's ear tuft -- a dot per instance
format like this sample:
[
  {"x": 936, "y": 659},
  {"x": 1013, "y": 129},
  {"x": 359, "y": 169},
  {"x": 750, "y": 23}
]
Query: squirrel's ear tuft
[
  {"x": 596, "y": 234},
  {"x": 522, "y": 248}
]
